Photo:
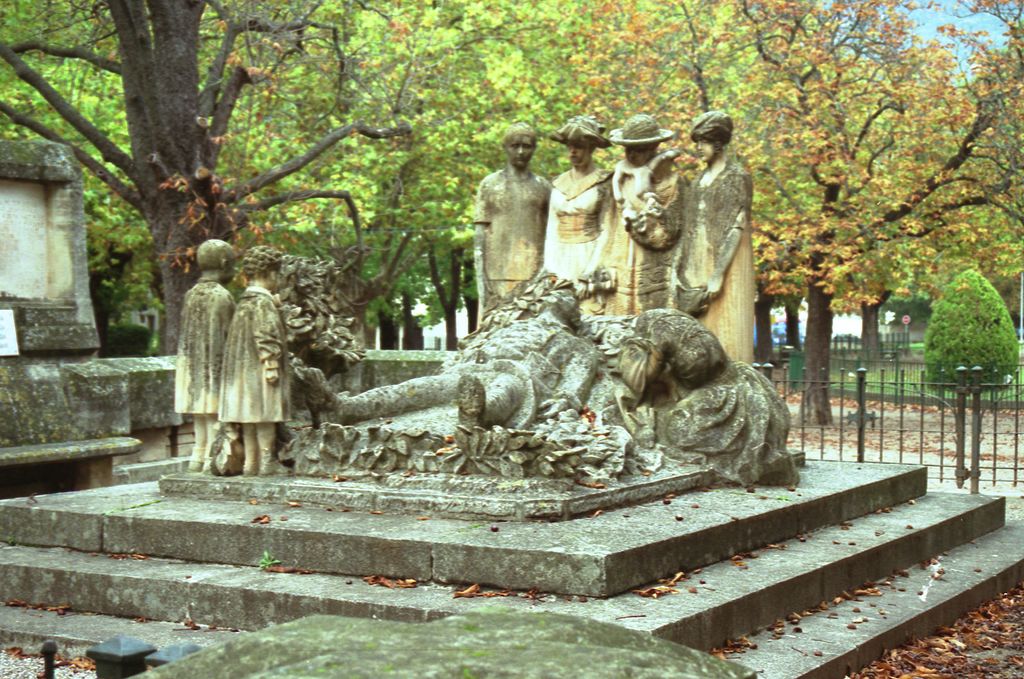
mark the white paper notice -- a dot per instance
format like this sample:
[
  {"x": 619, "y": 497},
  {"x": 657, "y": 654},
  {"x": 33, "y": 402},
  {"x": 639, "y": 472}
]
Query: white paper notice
[{"x": 8, "y": 336}]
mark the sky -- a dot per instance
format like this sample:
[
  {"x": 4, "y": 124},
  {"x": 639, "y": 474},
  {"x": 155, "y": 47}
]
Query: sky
[{"x": 946, "y": 12}]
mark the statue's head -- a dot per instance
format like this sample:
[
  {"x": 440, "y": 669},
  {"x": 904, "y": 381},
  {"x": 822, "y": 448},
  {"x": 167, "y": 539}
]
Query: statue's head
[
  {"x": 216, "y": 257},
  {"x": 581, "y": 134},
  {"x": 712, "y": 131},
  {"x": 519, "y": 142},
  {"x": 562, "y": 304},
  {"x": 691, "y": 352},
  {"x": 640, "y": 361},
  {"x": 262, "y": 263},
  {"x": 640, "y": 137}
]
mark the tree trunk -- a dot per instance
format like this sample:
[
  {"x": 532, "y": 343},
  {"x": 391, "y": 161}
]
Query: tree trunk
[
  {"x": 869, "y": 340},
  {"x": 412, "y": 336},
  {"x": 763, "y": 327},
  {"x": 472, "y": 312},
  {"x": 471, "y": 303},
  {"x": 815, "y": 404},
  {"x": 388, "y": 331},
  {"x": 793, "y": 323}
]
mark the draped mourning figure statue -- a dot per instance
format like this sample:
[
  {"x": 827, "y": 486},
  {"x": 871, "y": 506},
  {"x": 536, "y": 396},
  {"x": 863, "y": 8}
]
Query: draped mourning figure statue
[
  {"x": 688, "y": 397},
  {"x": 715, "y": 266}
]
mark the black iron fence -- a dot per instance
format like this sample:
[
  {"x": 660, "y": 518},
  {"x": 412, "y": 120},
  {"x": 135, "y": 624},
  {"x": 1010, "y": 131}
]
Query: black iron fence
[{"x": 966, "y": 426}]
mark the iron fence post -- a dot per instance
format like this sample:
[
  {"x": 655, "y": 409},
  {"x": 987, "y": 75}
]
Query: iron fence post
[
  {"x": 959, "y": 420},
  {"x": 862, "y": 377},
  {"x": 49, "y": 652},
  {"x": 975, "y": 427}
]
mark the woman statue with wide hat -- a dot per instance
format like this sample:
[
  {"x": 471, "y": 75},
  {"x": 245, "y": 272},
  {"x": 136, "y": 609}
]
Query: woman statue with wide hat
[
  {"x": 646, "y": 219},
  {"x": 580, "y": 199}
]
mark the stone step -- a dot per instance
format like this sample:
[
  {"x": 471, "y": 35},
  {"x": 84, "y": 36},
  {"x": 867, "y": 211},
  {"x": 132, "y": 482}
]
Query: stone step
[
  {"x": 911, "y": 606},
  {"x": 727, "y": 600},
  {"x": 600, "y": 556},
  {"x": 142, "y": 472},
  {"x": 76, "y": 632}
]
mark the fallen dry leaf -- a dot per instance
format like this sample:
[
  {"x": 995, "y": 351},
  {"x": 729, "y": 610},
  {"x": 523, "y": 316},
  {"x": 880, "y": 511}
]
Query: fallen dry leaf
[
  {"x": 390, "y": 583},
  {"x": 262, "y": 519},
  {"x": 655, "y": 592}
]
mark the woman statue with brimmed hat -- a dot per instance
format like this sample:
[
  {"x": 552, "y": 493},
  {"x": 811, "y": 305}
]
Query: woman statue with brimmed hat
[
  {"x": 644, "y": 225},
  {"x": 717, "y": 273},
  {"x": 579, "y": 199}
]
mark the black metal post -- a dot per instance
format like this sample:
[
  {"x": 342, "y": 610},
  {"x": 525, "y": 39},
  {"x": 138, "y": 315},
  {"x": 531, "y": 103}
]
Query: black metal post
[
  {"x": 975, "y": 428},
  {"x": 120, "y": 657},
  {"x": 862, "y": 376},
  {"x": 49, "y": 652},
  {"x": 959, "y": 421}
]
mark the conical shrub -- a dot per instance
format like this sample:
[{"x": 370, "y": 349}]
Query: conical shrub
[{"x": 970, "y": 326}]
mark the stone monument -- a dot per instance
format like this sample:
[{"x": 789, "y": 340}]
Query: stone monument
[
  {"x": 644, "y": 229},
  {"x": 541, "y": 392},
  {"x": 511, "y": 214},
  {"x": 205, "y": 317},
  {"x": 255, "y": 388},
  {"x": 44, "y": 280},
  {"x": 580, "y": 200},
  {"x": 64, "y": 417},
  {"x": 715, "y": 269}
]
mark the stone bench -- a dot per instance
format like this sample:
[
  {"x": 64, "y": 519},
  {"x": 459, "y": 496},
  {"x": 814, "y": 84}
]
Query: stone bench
[{"x": 69, "y": 465}]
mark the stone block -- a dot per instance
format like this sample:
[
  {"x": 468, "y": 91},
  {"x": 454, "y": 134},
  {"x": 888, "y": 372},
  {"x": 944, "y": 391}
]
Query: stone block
[
  {"x": 99, "y": 399},
  {"x": 150, "y": 390},
  {"x": 34, "y": 406}
]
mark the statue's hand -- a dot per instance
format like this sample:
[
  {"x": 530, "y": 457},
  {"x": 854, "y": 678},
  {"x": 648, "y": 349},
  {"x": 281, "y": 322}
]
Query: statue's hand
[
  {"x": 551, "y": 407},
  {"x": 270, "y": 373}
]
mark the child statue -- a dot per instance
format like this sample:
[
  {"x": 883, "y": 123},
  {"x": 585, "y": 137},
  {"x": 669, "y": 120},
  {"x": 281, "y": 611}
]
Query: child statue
[
  {"x": 255, "y": 389},
  {"x": 205, "y": 318}
]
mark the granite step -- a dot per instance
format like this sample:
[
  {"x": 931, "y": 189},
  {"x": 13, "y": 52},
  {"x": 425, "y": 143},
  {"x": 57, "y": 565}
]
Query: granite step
[
  {"x": 75, "y": 633},
  {"x": 596, "y": 556},
  {"x": 722, "y": 601},
  {"x": 854, "y": 633}
]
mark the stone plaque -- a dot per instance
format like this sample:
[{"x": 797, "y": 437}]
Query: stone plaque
[
  {"x": 23, "y": 233},
  {"x": 8, "y": 335}
]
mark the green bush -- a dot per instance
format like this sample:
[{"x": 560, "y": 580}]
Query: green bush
[
  {"x": 128, "y": 339},
  {"x": 970, "y": 326}
]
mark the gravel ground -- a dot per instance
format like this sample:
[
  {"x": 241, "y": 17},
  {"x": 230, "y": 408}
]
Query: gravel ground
[{"x": 12, "y": 667}]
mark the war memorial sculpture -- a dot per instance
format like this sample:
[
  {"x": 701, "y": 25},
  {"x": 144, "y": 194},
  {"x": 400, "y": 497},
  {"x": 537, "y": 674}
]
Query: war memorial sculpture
[
  {"x": 578, "y": 456},
  {"x": 585, "y": 369}
]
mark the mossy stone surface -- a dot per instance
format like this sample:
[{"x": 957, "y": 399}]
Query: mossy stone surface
[{"x": 485, "y": 643}]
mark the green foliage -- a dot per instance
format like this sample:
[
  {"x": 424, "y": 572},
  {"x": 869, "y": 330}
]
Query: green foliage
[
  {"x": 268, "y": 560},
  {"x": 970, "y": 326},
  {"x": 128, "y": 339},
  {"x": 918, "y": 307}
]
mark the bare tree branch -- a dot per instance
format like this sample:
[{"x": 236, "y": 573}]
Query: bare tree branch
[
  {"x": 109, "y": 151},
  {"x": 68, "y": 53},
  {"x": 281, "y": 171},
  {"x": 222, "y": 112},
  {"x": 305, "y": 194},
  {"x": 120, "y": 188}
]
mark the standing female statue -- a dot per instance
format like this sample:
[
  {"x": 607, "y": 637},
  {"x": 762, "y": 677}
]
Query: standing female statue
[
  {"x": 644, "y": 230},
  {"x": 580, "y": 197},
  {"x": 716, "y": 271}
]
